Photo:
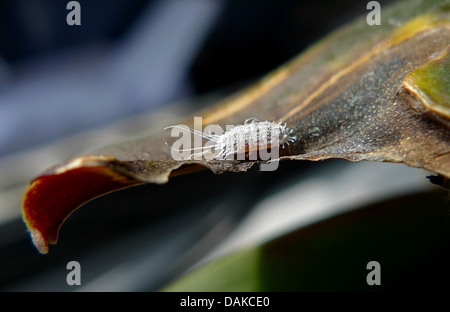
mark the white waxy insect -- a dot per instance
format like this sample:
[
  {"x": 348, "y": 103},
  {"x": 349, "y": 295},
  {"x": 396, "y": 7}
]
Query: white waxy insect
[{"x": 253, "y": 135}]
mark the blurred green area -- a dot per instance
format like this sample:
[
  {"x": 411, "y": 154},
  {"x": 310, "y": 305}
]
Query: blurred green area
[{"x": 409, "y": 236}]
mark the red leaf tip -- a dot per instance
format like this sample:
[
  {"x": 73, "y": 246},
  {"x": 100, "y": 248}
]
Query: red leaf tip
[{"x": 39, "y": 241}]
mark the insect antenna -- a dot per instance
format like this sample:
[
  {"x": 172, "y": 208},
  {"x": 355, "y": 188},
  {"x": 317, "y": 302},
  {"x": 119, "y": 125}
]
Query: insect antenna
[
  {"x": 203, "y": 135},
  {"x": 208, "y": 150}
]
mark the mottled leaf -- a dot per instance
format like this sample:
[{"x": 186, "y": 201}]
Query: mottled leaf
[{"x": 375, "y": 93}]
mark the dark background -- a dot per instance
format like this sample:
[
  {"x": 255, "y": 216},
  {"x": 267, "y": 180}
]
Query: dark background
[
  {"x": 56, "y": 80},
  {"x": 133, "y": 57}
]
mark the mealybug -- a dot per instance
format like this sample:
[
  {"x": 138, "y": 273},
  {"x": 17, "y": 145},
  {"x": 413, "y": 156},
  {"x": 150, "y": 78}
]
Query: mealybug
[{"x": 253, "y": 135}]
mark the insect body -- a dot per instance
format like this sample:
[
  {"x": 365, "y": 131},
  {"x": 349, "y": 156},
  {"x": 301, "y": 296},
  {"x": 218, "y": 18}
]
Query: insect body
[{"x": 253, "y": 135}]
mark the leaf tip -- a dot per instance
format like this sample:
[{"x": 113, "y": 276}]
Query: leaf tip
[{"x": 39, "y": 241}]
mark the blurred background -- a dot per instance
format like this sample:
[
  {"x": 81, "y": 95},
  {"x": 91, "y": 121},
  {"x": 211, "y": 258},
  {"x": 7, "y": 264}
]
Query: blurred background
[{"x": 128, "y": 69}]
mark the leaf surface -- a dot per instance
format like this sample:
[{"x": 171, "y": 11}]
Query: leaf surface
[{"x": 377, "y": 93}]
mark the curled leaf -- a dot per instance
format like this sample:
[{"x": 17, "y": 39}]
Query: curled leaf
[{"x": 377, "y": 93}]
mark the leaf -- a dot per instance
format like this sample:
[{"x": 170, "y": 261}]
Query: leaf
[
  {"x": 429, "y": 87},
  {"x": 362, "y": 93}
]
